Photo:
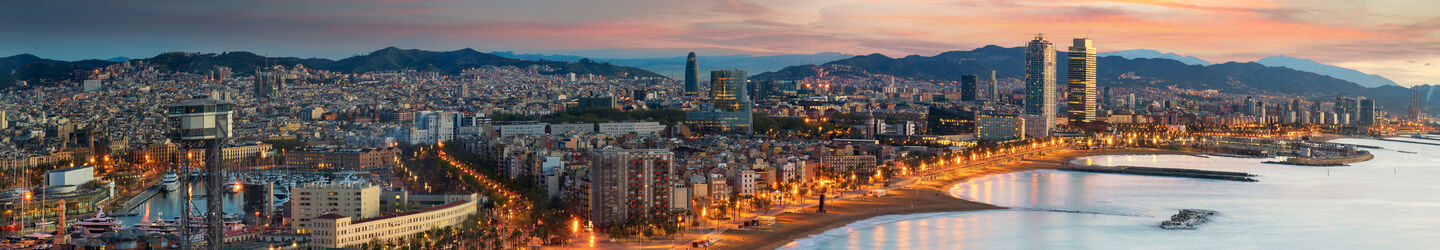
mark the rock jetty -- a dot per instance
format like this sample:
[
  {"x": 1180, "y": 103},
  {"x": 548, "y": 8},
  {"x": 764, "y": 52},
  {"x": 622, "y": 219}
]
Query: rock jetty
[{"x": 1187, "y": 219}]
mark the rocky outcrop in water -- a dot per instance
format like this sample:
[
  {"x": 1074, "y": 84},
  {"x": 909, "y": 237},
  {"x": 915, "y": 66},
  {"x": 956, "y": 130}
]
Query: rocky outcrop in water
[{"x": 1187, "y": 219}]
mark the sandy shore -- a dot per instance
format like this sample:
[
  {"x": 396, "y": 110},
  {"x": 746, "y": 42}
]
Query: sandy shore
[{"x": 925, "y": 197}]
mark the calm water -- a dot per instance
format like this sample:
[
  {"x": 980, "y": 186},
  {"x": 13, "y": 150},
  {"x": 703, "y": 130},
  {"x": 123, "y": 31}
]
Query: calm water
[
  {"x": 1392, "y": 202},
  {"x": 167, "y": 205}
]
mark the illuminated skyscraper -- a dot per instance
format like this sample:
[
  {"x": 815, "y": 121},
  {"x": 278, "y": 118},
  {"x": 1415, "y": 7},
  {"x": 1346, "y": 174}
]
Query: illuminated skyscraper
[
  {"x": 729, "y": 91},
  {"x": 692, "y": 75},
  {"x": 730, "y": 106},
  {"x": 1082, "y": 82},
  {"x": 1040, "y": 80}
]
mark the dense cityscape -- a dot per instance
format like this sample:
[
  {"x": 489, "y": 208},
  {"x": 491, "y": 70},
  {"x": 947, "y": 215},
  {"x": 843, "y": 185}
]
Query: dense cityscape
[{"x": 243, "y": 151}]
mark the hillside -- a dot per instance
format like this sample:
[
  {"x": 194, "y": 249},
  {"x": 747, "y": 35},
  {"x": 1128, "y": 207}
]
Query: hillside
[
  {"x": 1367, "y": 80},
  {"x": 674, "y": 67},
  {"x": 1232, "y": 77},
  {"x": 39, "y": 70}
]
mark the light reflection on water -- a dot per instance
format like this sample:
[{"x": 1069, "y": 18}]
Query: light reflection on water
[{"x": 1386, "y": 203}]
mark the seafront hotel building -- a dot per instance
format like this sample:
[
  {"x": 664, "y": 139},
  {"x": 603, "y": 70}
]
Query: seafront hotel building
[{"x": 338, "y": 231}]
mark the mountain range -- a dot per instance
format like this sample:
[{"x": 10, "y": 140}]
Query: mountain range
[
  {"x": 31, "y": 68},
  {"x": 1117, "y": 71},
  {"x": 1301, "y": 64},
  {"x": 674, "y": 67},
  {"x": 1150, "y": 53}
]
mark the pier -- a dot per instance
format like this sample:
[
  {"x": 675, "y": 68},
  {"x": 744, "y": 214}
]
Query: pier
[
  {"x": 128, "y": 208},
  {"x": 1415, "y": 142},
  {"x": 1169, "y": 172}
]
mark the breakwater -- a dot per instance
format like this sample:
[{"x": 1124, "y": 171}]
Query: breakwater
[
  {"x": 1326, "y": 161},
  {"x": 1187, "y": 219},
  {"x": 1415, "y": 142},
  {"x": 1168, "y": 172}
]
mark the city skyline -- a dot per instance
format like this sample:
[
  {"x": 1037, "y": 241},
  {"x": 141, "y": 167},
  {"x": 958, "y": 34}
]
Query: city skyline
[{"x": 1394, "y": 39}]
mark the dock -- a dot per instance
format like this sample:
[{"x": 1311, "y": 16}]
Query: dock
[
  {"x": 1415, "y": 142},
  {"x": 1168, "y": 172},
  {"x": 129, "y": 207}
]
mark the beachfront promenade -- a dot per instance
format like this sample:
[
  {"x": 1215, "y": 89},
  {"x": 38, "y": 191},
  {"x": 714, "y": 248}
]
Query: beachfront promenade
[{"x": 924, "y": 192}]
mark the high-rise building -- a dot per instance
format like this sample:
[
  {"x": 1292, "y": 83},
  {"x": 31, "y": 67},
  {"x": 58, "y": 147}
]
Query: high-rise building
[
  {"x": 464, "y": 89},
  {"x": 692, "y": 75},
  {"x": 1414, "y": 113},
  {"x": 1367, "y": 112},
  {"x": 729, "y": 91},
  {"x": 430, "y": 128},
  {"x": 4, "y": 123},
  {"x": 1107, "y": 98},
  {"x": 1082, "y": 104},
  {"x": 730, "y": 105},
  {"x": 1130, "y": 100},
  {"x": 630, "y": 184},
  {"x": 1346, "y": 105},
  {"x": 992, "y": 93},
  {"x": 1040, "y": 80},
  {"x": 968, "y": 87}
]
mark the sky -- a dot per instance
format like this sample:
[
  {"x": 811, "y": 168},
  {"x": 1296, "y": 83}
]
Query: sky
[{"x": 1398, "y": 39}]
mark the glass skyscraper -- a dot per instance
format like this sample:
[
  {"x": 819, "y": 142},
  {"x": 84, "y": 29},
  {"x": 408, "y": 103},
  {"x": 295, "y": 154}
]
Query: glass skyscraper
[
  {"x": 692, "y": 75},
  {"x": 1040, "y": 80},
  {"x": 1081, "y": 79}
]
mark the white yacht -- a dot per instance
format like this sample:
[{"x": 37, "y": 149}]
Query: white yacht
[{"x": 170, "y": 183}]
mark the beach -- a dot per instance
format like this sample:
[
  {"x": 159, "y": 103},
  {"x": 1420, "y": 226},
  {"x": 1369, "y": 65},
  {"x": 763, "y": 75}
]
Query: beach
[{"x": 924, "y": 197}]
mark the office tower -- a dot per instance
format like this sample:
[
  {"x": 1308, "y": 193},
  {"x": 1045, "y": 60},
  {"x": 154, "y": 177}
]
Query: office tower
[
  {"x": 1040, "y": 80},
  {"x": 4, "y": 123},
  {"x": 1130, "y": 101},
  {"x": 1414, "y": 113},
  {"x": 968, "y": 87},
  {"x": 692, "y": 75},
  {"x": 1345, "y": 105},
  {"x": 730, "y": 106},
  {"x": 1106, "y": 98},
  {"x": 729, "y": 91},
  {"x": 991, "y": 92},
  {"x": 1260, "y": 110},
  {"x": 1249, "y": 108},
  {"x": 1082, "y": 82},
  {"x": 464, "y": 89},
  {"x": 1367, "y": 112},
  {"x": 630, "y": 184}
]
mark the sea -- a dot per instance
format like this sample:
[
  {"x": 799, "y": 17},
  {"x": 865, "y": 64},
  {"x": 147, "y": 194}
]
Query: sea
[{"x": 1390, "y": 202}]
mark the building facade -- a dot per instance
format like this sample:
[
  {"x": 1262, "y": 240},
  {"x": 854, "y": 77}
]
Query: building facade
[
  {"x": 1040, "y": 80},
  {"x": 340, "y": 231},
  {"x": 692, "y": 75},
  {"x": 1081, "y": 78},
  {"x": 969, "y": 87},
  {"x": 999, "y": 127},
  {"x": 343, "y": 158},
  {"x": 630, "y": 184},
  {"x": 354, "y": 200}
]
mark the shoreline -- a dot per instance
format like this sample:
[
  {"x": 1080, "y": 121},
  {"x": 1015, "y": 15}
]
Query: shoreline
[{"x": 924, "y": 197}]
